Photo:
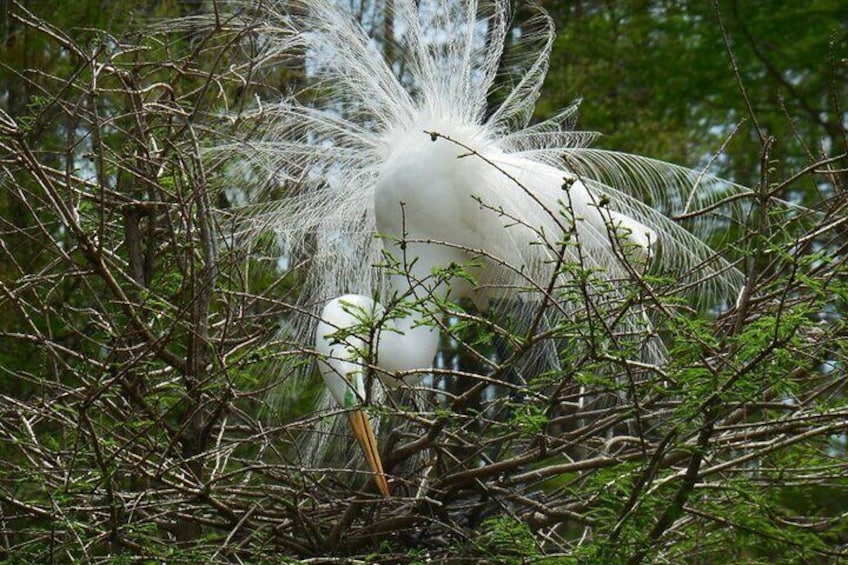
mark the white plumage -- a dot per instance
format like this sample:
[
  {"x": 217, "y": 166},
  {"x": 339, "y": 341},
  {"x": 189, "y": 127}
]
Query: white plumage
[{"x": 409, "y": 149}]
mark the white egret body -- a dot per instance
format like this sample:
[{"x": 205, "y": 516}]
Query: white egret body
[
  {"x": 409, "y": 150},
  {"x": 436, "y": 205}
]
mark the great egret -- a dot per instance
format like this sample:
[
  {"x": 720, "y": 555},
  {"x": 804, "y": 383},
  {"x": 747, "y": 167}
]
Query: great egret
[{"x": 408, "y": 148}]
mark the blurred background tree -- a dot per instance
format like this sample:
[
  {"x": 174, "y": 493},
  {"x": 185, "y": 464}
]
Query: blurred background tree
[{"x": 657, "y": 79}]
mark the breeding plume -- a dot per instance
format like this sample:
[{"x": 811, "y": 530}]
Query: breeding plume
[{"x": 396, "y": 156}]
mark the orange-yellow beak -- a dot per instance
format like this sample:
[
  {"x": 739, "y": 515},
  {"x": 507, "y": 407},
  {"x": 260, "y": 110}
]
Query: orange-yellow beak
[{"x": 365, "y": 435}]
